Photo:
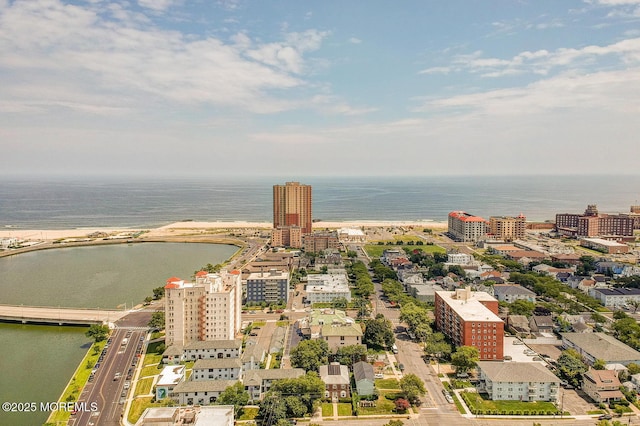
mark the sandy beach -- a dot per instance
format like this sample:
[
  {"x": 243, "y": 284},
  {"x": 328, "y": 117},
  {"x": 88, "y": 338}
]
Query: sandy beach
[{"x": 179, "y": 228}]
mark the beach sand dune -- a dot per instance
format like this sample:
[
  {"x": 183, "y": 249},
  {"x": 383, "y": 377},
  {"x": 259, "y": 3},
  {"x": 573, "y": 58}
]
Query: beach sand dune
[{"x": 178, "y": 228}]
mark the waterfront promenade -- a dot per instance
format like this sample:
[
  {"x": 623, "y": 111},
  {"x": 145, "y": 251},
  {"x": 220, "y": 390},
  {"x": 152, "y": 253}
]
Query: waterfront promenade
[{"x": 59, "y": 315}]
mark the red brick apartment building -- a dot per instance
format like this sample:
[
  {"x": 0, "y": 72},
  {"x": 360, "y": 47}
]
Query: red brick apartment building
[
  {"x": 471, "y": 319},
  {"x": 593, "y": 224}
]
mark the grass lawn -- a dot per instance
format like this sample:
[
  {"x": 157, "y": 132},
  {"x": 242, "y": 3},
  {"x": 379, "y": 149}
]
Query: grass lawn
[
  {"x": 78, "y": 381},
  {"x": 344, "y": 409},
  {"x": 327, "y": 409},
  {"x": 387, "y": 384},
  {"x": 143, "y": 387},
  {"x": 139, "y": 405},
  {"x": 375, "y": 250},
  {"x": 150, "y": 370},
  {"x": 249, "y": 413},
  {"x": 258, "y": 324},
  {"x": 477, "y": 402},
  {"x": 383, "y": 406},
  {"x": 283, "y": 323},
  {"x": 152, "y": 356}
]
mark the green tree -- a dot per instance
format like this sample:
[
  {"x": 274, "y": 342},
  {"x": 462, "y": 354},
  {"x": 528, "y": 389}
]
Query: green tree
[
  {"x": 378, "y": 333},
  {"x": 310, "y": 354},
  {"x": 272, "y": 409},
  {"x": 436, "y": 345},
  {"x": 158, "y": 293},
  {"x": 414, "y": 316},
  {"x": 295, "y": 406},
  {"x": 348, "y": 355},
  {"x": 521, "y": 307},
  {"x": 234, "y": 395},
  {"x": 571, "y": 366},
  {"x": 97, "y": 332},
  {"x": 633, "y": 368},
  {"x": 339, "y": 303},
  {"x": 599, "y": 364},
  {"x": 307, "y": 389},
  {"x": 157, "y": 320},
  {"x": 465, "y": 358},
  {"x": 413, "y": 388}
]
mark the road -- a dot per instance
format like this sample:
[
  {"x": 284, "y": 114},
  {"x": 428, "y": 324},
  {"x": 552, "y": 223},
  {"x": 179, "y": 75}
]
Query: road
[{"x": 119, "y": 357}]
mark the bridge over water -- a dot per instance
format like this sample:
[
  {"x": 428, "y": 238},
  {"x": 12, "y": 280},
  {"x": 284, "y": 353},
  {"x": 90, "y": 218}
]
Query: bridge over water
[{"x": 58, "y": 315}]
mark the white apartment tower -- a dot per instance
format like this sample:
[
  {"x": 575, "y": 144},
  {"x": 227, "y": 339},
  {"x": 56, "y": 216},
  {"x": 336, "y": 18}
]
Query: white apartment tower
[{"x": 208, "y": 309}]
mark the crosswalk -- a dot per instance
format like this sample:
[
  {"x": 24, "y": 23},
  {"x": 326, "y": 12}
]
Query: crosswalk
[{"x": 124, "y": 327}]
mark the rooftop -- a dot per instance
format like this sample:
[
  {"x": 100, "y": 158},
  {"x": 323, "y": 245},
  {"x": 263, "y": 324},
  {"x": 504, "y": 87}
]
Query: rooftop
[
  {"x": 470, "y": 308},
  {"x": 602, "y": 346},
  {"x": 466, "y": 217},
  {"x": 217, "y": 363},
  {"x": 517, "y": 371},
  {"x": 214, "y": 344},
  {"x": 204, "y": 386}
]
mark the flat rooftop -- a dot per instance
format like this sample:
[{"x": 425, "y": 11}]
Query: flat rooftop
[{"x": 471, "y": 308}]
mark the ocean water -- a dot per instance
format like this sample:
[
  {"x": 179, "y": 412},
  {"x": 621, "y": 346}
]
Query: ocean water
[{"x": 62, "y": 203}]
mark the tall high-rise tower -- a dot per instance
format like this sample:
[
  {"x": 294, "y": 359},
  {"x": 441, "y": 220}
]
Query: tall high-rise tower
[{"x": 292, "y": 206}]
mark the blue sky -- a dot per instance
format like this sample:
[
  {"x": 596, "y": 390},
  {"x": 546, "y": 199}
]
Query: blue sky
[{"x": 184, "y": 87}]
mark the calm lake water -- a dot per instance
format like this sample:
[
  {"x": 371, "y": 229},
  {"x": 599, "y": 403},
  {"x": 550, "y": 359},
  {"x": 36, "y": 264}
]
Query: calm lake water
[{"x": 37, "y": 362}]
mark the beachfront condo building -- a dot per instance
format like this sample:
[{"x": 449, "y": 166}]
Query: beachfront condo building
[
  {"x": 508, "y": 228},
  {"x": 207, "y": 309},
  {"x": 470, "y": 318},
  {"x": 466, "y": 227},
  {"x": 269, "y": 287},
  {"x": 291, "y": 213}
]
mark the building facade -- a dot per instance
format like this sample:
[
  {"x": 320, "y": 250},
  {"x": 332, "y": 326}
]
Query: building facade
[
  {"x": 593, "y": 224},
  {"x": 292, "y": 206},
  {"x": 320, "y": 241},
  {"x": 517, "y": 381},
  {"x": 466, "y": 227},
  {"x": 270, "y": 287},
  {"x": 471, "y": 319},
  {"x": 207, "y": 309},
  {"x": 508, "y": 228},
  {"x": 323, "y": 288},
  {"x": 286, "y": 236}
]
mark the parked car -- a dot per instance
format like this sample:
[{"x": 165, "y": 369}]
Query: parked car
[
  {"x": 117, "y": 376},
  {"x": 379, "y": 376}
]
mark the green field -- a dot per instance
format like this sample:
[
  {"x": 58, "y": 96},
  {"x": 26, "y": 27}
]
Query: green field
[
  {"x": 486, "y": 406},
  {"x": 375, "y": 250},
  {"x": 143, "y": 387},
  {"x": 327, "y": 409},
  {"x": 387, "y": 384}
]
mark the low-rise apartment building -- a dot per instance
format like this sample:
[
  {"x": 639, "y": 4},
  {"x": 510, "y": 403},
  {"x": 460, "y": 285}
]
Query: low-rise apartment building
[
  {"x": 517, "y": 381},
  {"x": 323, "y": 288},
  {"x": 258, "y": 382},
  {"x": 593, "y": 346},
  {"x": 200, "y": 392},
  {"x": 602, "y": 385},
  {"x": 217, "y": 369},
  {"x": 213, "y": 349}
]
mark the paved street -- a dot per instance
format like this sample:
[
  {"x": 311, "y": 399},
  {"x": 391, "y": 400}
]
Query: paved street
[{"x": 120, "y": 357}]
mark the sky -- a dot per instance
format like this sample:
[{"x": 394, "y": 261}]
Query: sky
[{"x": 368, "y": 87}]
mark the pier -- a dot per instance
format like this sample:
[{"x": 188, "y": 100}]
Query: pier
[{"x": 58, "y": 315}]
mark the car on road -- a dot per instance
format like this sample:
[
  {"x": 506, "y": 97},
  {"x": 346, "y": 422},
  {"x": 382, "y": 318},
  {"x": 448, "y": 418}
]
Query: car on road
[
  {"x": 448, "y": 398},
  {"x": 117, "y": 376},
  {"x": 127, "y": 385},
  {"x": 605, "y": 417}
]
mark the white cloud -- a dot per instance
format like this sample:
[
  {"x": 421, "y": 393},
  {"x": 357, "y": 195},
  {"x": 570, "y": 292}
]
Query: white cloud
[
  {"x": 114, "y": 59},
  {"x": 157, "y": 5},
  {"x": 355, "y": 40},
  {"x": 436, "y": 70},
  {"x": 618, "y": 2}
]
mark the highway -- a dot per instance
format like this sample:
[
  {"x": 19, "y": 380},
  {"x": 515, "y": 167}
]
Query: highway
[{"x": 116, "y": 369}]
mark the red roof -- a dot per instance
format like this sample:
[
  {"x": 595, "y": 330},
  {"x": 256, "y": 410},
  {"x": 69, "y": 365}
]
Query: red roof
[
  {"x": 201, "y": 273},
  {"x": 173, "y": 280},
  {"x": 235, "y": 272},
  {"x": 172, "y": 285},
  {"x": 466, "y": 217}
]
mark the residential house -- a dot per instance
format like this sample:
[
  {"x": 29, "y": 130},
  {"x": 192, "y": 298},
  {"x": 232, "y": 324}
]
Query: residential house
[
  {"x": 252, "y": 356},
  {"x": 217, "y": 369},
  {"x": 342, "y": 334},
  {"x": 364, "y": 377},
  {"x": 511, "y": 292},
  {"x": 519, "y": 324},
  {"x": 517, "y": 381},
  {"x": 258, "y": 382},
  {"x": 336, "y": 380},
  {"x": 616, "y": 297},
  {"x": 541, "y": 324},
  {"x": 602, "y": 385}
]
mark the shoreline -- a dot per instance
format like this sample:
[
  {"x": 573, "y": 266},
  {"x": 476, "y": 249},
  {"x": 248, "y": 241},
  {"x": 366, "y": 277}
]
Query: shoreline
[{"x": 180, "y": 228}]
